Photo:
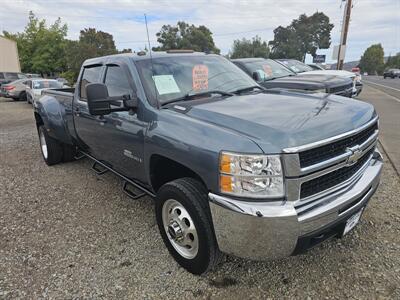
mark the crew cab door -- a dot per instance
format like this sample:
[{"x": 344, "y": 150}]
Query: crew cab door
[
  {"x": 116, "y": 139},
  {"x": 124, "y": 131}
]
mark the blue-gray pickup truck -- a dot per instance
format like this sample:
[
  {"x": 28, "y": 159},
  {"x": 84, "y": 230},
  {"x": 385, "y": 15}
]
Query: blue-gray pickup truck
[{"x": 233, "y": 168}]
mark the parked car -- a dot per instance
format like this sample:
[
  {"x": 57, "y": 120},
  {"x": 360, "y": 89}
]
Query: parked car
[
  {"x": 35, "y": 87},
  {"x": 356, "y": 70},
  {"x": 63, "y": 81},
  {"x": 272, "y": 75},
  {"x": 33, "y": 75},
  {"x": 7, "y": 77},
  {"x": 233, "y": 168},
  {"x": 15, "y": 90},
  {"x": 392, "y": 73},
  {"x": 303, "y": 69}
]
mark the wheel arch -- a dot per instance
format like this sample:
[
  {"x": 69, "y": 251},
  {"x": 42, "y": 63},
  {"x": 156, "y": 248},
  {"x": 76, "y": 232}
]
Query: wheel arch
[{"x": 163, "y": 169}]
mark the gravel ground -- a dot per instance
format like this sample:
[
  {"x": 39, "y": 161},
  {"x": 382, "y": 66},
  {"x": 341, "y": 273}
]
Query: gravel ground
[{"x": 67, "y": 233}]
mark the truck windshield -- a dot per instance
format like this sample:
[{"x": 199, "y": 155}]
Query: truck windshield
[
  {"x": 296, "y": 66},
  {"x": 172, "y": 77},
  {"x": 268, "y": 69}
]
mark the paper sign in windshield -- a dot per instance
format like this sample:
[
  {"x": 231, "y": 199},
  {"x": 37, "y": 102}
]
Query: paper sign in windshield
[
  {"x": 200, "y": 77},
  {"x": 267, "y": 70},
  {"x": 166, "y": 84}
]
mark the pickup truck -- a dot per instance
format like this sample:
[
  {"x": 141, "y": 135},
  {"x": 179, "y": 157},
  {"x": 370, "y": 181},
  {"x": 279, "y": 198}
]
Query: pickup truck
[
  {"x": 271, "y": 74},
  {"x": 234, "y": 169}
]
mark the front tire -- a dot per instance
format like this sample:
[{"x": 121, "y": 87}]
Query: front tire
[
  {"x": 185, "y": 223},
  {"x": 51, "y": 149}
]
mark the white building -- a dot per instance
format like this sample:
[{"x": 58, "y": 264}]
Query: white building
[{"x": 9, "y": 59}]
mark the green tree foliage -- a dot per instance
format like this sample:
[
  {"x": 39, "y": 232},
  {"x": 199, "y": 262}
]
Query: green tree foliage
[
  {"x": 185, "y": 36},
  {"x": 249, "y": 48},
  {"x": 91, "y": 43},
  {"x": 372, "y": 60},
  {"x": 304, "y": 35},
  {"x": 393, "y": 61},
  {"x": 41, "y": 48}
]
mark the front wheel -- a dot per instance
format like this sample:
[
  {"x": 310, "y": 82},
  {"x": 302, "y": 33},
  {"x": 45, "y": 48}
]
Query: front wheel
[{"x": 184, "y": 220}]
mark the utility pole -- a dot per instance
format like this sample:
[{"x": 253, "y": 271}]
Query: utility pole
[{"x": 345, "y": 30}]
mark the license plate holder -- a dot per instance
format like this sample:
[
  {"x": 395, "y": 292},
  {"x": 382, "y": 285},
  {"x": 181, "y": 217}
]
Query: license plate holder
[{"x": 352, "y": 221}]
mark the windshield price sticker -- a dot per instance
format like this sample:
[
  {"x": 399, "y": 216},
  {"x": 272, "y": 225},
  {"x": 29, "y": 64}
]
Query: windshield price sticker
[
  {"x": 166, "y": 84},
  {"x": 200, "y": 77},
  {"x": 267, "y": 70}
]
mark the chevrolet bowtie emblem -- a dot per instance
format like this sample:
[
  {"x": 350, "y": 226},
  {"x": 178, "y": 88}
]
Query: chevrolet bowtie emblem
[{"x": 355, "y": 155}]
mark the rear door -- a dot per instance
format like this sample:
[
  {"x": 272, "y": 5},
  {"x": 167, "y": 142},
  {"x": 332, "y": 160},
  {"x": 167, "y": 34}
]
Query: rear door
[{"x": 88, "y": 128}]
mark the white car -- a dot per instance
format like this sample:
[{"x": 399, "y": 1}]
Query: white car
[
  {"x": 36, "y": 86},
  {"x": 301, "y": 68}
]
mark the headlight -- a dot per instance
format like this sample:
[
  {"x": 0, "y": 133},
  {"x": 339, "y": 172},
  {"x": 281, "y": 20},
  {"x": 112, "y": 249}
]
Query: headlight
[{"x": 254, "y": 176}]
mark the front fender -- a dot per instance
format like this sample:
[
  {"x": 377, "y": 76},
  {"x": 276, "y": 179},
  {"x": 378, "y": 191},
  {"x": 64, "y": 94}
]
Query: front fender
[
  {"x": 194, "y": 144},
  {"x": 54, "y": 119}
]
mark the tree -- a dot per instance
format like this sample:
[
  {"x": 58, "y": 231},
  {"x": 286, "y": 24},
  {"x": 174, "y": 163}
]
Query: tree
[
  {"x": 91, "y": 43},
  {"x": 249, "y": 48},
  {"x": 372, "y": 60},
  {"x": 41, "y": 49},
  {"x": 185, "y": 36},
  {"x": 304, "y": 35},
  {"x": 393, "y": 61}
]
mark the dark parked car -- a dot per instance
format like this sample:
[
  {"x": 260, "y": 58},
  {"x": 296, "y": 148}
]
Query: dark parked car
[
  {"x": 7, "y": 77},
  {"x": 271, "y": 74},
  {"x": 233, "y": 168},
  {"x": 392, "y": 73}
]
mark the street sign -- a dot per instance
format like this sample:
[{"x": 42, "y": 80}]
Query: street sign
[{"x": 318, "y": 59}]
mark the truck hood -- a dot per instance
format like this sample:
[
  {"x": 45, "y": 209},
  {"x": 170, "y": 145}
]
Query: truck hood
[
  {"x": 306, "y": 82},
  {"x": 330, "y": 72},
  {"x": 279, "y": 120}
]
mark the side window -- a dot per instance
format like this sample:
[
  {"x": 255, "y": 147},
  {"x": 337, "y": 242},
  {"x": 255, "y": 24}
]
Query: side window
[
  {"x": 1, "y": 75},
  {"x": 117, "y": 81},
  {"x": 90, "y": 75}
]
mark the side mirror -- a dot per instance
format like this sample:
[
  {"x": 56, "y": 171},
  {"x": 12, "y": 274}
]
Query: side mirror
[
  {"x": 97, "y": 98},
  {"x": 99, "y": 102},
  {"x": 257, "y": 76}
]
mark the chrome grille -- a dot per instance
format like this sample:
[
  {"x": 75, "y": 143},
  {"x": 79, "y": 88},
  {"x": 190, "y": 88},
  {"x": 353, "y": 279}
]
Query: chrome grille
[
  {"x": 334, "y": 178},
  {"x": 342, "y": 88},
  {"x": 325, "y": 152}
]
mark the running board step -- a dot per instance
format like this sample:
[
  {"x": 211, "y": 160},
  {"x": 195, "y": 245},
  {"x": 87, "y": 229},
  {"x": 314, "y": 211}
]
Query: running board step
[
  {"x": 130, "y": 193},
  {"x": 97, "y": 170},
  {"x": 79, "y": 155}
]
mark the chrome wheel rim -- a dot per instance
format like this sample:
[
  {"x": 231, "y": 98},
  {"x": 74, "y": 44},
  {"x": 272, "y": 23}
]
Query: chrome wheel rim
[
  {"x": 43, "y": 144},
  {"x": 180, "y": 229}
]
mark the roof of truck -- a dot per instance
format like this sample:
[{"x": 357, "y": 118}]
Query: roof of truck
[{"x": 143, "y": 55}]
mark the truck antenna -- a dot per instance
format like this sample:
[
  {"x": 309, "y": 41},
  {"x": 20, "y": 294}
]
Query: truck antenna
[{"x": 151, "y": 59}]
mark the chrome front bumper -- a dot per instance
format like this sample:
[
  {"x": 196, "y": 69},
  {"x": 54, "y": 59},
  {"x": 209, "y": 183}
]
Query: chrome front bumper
[{"x": 270, "y": 230}]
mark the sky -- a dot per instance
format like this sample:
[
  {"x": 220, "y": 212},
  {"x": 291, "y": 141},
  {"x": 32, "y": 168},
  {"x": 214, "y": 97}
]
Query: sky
[{"x": 372, "y": 21}]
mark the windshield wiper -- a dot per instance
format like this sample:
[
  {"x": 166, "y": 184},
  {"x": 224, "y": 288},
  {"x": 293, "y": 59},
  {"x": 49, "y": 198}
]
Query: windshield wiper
[
  {"x": 248, "y": 89},
  {"x": 190, "y": 96}
]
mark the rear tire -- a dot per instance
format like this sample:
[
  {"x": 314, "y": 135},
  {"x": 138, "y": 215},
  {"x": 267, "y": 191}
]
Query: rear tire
[
  {"x": 51, "y": 149},
  {"x": 22, "y": 96},
  {"x": 69, "y": 153},
  {"x": 185, "y": 224}
]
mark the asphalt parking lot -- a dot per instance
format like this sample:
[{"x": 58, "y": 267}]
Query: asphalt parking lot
[{"x": 68, "y": 233}]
